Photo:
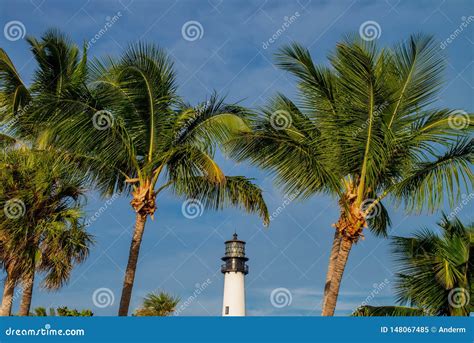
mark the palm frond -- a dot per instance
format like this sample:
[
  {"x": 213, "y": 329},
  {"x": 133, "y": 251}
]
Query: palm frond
[
  {"x": 427, "y": 183},
  {"x": 236, "y": 191}
]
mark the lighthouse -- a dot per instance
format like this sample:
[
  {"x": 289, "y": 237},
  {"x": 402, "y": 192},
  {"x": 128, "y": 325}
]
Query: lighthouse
[{"x": 234, "y": 270}]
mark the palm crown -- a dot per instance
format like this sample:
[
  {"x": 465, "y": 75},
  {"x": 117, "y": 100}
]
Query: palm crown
[
  {"x": 42, "y": 224},
  {"x": 363, "y": 128},
  {"x": 436, "y": 271},
  {"x": 158, "y": 304}
]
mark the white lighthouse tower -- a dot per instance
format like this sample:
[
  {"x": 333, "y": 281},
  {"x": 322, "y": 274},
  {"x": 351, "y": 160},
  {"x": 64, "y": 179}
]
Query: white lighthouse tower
[{"x": 234, "y": 270}]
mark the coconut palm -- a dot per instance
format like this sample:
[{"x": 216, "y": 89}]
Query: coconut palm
[
  {"x": 435, "y": 273},
  {"x": 161, "y": 305},
  {"x": 41, "y": 222},
  {"x": 363, "y": 130},
  {"x": 128, "y": 126}
]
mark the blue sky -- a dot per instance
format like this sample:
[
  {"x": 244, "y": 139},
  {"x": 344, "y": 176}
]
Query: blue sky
[{"x": 229, "y": 56}]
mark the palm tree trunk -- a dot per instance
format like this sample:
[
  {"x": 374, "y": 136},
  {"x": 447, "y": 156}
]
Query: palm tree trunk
[
  {"x": 332, "y": 260},
  {"x": 132, "y": 264},
  {"x": 27, "y": 295},
  {"x": 330, "y": 300},
  {"x": 7, "y": 299}
]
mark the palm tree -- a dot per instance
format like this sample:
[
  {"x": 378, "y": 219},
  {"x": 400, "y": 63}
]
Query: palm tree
[
  {"x": 59, "y": 70},
  {"x": 363, "y": 129},
  {"x": 436, "y": 272},
  {"x": 66, "y": 243},
  {"x": 435, "y": 275},
  {"x": 127, "y": 125},
  {"x": 45, "y": 233},
  {"x": 160, "y": 305}
]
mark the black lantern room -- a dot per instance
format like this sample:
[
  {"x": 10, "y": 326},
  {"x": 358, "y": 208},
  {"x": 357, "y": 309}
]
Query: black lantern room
[{"x": 235, "y": 256}]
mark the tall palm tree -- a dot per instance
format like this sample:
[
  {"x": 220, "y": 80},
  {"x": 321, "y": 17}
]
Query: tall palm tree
[
  {"x": 435, "y": 273},
  {"x": 129, "y": 127},
  {"x": 59, "y": 69},
  {"x": 159, "y": 305},
  {"x": 363, "y": 130},
  {"x": 41, "y": 221}
]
